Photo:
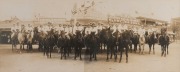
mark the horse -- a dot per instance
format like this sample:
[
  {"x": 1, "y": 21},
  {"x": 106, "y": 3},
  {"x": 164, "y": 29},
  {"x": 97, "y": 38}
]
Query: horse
[
  {"x": 135, "y": 42},
  {"x": 124, "y": 41},
  {"x": 103, "y": 39},
  {"x": 14, "y": 40},
  {"x": 71, "y": 42},
  {"x": 49, "y": 43},
  {"x": 116, "y": 36},
  {"x": 79, "y": 44},
  {"x": 110, "y": 45},
  {"x": 142, "y": 43},
  {"x": 164, "y": 42},
  {"x": 30, "y": 40},
  {"x": 22, "y": 39},
  {"x": 151, "y": 40},
  {"x": 41, "y": 39},
  {"x": 63, "y": 44},
  {"x": 93, "y": 45}
]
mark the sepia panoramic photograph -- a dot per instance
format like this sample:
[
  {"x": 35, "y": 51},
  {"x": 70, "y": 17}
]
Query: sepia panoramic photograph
[{"x": 89, "y": 35}]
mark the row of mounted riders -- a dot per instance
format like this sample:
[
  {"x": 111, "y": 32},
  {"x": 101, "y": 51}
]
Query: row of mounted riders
[{"x": 94, "y": 43}]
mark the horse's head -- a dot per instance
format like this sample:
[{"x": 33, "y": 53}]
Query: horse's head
[
  {"x": 128, "y": 34},
  {"x": 35, "y": 30}
]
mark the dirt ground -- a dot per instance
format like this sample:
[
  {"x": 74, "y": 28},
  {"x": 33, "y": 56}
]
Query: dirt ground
[{"x": 36, "y": 62}]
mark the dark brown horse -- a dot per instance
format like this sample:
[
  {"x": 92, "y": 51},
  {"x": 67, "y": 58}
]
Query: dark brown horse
[
  {"x": 164, "y": 42},
  {"x": 103, "y": 39},
  {"x": 124, "y": 42},
  {"x": 135, "y": 42},
  {"x": 93, "y": 45},
  {"x": 110, "y": 42},
  {"x": 63, "y": 43},
  {"x": 49, "y": 43},
  {"x": 152, "y": 40},
  {"x": 79, "y": 44}
]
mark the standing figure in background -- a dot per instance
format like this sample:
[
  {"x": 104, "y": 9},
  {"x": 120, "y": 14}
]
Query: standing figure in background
[{"x": 14, "y": 35}]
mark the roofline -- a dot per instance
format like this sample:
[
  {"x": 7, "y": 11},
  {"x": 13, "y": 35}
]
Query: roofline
[{"x": 151, "y": 19}]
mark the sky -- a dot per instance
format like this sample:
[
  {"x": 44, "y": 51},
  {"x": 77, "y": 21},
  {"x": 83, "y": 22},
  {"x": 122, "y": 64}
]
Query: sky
[{"x": 27, "y": 9}]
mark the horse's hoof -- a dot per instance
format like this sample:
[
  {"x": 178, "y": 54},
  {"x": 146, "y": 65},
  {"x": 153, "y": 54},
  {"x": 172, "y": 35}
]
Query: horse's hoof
[
  {"x": 115, "y": 60},
  {"x": 126, "y": 61},
  {"x": 95, "y": 59},
  {"x": 107, "y": 60},
  {"x": 119, "y": 61},
  {"x": 142, "y": 53}
]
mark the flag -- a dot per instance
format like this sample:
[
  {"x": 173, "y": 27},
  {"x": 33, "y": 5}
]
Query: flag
[{"x": 74, "y": 10}]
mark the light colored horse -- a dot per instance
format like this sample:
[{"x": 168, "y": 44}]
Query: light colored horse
[
  {"x": 142, "y": 42},
  {"x": 21, "y": 39}
]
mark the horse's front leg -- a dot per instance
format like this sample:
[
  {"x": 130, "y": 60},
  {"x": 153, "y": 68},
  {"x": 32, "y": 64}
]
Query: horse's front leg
[
  {"x": 44, "y": 51},
  {"x": 107, "y": 54},
  {"x": 50, "y": 50},
  {"x": 47, "y": 52},
  {"x": 140, "y": 48},
  {"x": 20, "y": 48},
  {"x": 162, "y": 49},
  {"x": 121, "y": 51},
  {"x": 80, "y": 52},
  {"x": 150, "y": 48},
  {"x": 115, "y": 54},
  {"x": 90, "y": 54},
  {"x": 65, "y": 52},
  {"x": 68, "y": 51},
  {"x": 95, "y": 52},
  {"x": 167, "y": 46},
  {"x": 127, "y": 48},
  {"x": 111, "y": 51},
  {"x": 131, "y": 48},
  {"x": 61, "y": 52},
  {"x": 143, "y": 48},
  {"x": 135, "y": 48},
  {"x": 153, "y": 49},
  {"x": 75, "y": 53},
  {"x": 12, "y": 46}
]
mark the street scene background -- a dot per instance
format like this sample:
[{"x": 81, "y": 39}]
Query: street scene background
[{"x": 147, "y": 15}]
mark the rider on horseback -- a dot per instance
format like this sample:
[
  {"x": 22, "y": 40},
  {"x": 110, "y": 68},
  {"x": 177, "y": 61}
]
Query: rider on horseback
[
  {"x": 94, "y": 29},
  {"x": 77, "y": 28}
]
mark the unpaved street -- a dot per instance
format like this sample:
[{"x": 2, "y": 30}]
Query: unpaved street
[{"x": 36, "y": 62}]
